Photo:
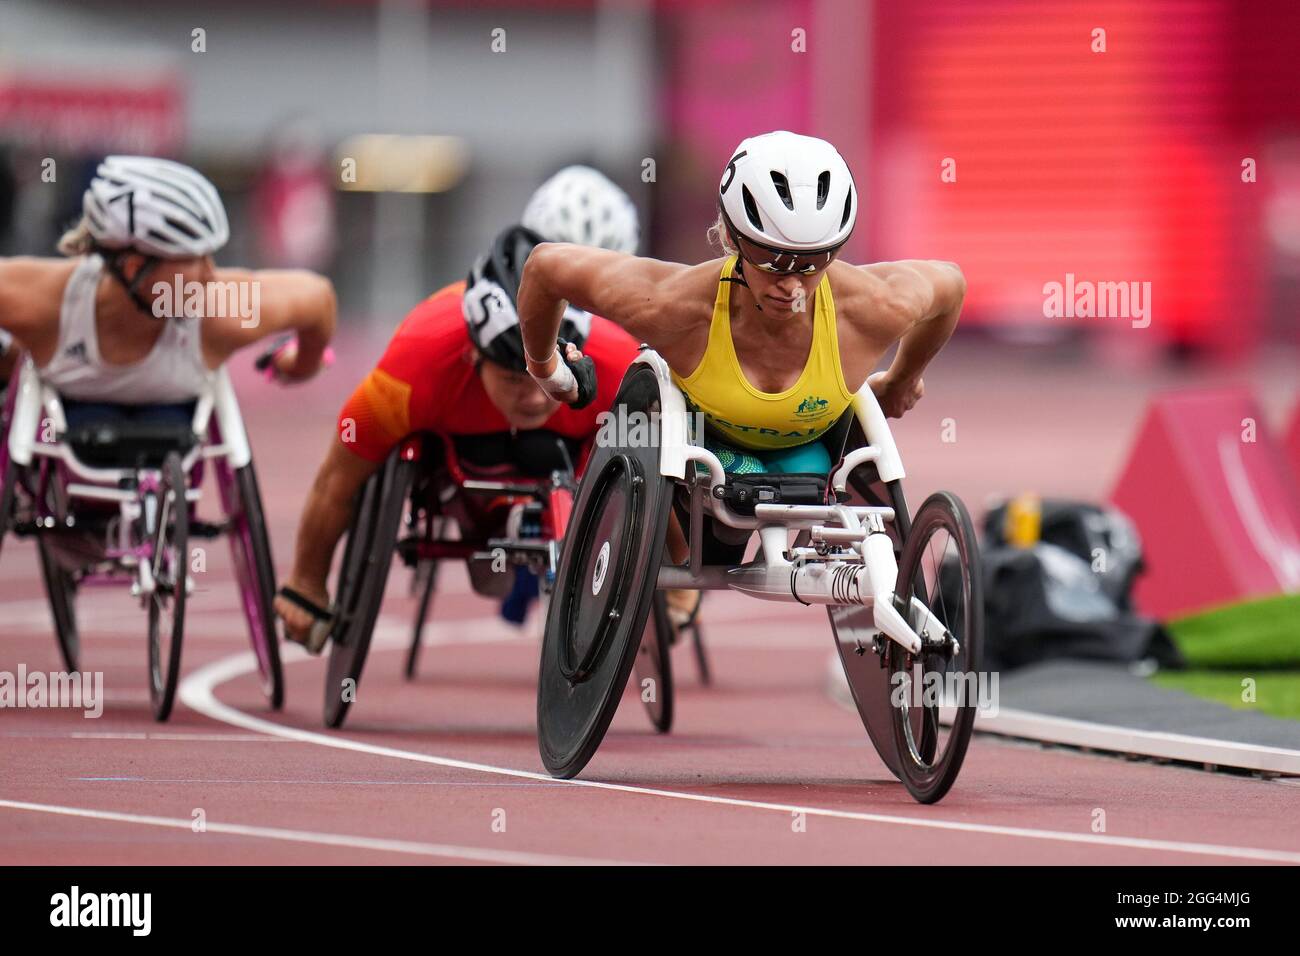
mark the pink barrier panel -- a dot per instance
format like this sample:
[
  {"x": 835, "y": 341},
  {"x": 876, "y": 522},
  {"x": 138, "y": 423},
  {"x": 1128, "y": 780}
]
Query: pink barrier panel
[{"x": 1210, "y": 492}]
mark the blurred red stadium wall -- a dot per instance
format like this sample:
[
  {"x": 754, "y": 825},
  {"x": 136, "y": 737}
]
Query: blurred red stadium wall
[{"x": 1123, "y": 165}]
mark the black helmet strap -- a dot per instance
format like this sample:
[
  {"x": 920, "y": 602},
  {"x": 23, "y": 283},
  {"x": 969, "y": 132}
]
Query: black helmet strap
[{"x": 113, "y": 259}]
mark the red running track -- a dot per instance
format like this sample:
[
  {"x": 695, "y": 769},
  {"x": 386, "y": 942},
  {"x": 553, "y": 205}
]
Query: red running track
[{"x": 760, "y": 768}]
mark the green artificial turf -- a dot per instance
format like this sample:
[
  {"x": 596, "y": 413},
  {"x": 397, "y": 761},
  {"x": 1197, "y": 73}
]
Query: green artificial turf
[
  {"x": 1276, "y": 693},
  {"x": 1228, "y": 646},
  {"x": 1263, "y": 633}
]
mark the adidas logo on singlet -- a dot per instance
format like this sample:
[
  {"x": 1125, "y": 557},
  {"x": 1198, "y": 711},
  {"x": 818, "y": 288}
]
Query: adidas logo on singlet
[{"x": 77, "y": 350}]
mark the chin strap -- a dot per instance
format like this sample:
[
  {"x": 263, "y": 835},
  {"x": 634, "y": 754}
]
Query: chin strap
[
  {"x": 740, "y": 280},
  {"x": 113, "y": 259}
]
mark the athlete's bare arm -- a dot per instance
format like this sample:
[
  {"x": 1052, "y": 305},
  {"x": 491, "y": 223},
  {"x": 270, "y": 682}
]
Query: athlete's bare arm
[
  {"x": 326, "y": 514},
  {"x": 31, "y": 291},
  {"x": 914, "y": 302},
  {"x": 289, "y": 300},
  {"x": 664, "y": 304}
]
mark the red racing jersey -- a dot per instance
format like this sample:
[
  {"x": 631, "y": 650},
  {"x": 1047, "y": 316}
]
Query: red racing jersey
[{"x": 426, "y": 382}]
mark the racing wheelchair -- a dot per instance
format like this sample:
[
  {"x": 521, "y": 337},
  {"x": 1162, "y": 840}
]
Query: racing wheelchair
[
  {"x": 115, "y": 502},
  {"x": 903, "y": 596},
  {"x": 434, "y": 500}
]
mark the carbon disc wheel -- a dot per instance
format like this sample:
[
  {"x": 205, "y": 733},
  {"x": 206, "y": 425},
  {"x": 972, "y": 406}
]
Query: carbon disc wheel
[{"x": 604, "y": 589}]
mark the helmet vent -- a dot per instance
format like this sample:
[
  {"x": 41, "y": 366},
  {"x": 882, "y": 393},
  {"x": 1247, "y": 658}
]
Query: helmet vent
[
  {"x": 848, "y": 208},
  {"x": 181, "y": 228},
  {"x": 823, "y": 187},
  {"x": 751, "y": 208},
  {"x": 783, "y": 189}
]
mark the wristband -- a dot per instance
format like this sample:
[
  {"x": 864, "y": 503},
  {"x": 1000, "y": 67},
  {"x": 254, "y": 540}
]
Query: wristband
[{"x": 559, "y": 383}]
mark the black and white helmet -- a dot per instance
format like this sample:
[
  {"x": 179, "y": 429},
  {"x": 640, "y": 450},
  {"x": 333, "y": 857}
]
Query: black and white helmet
[
  {"x": 156, "y": 207},
  {"x": 790, "y": 193},
  {"x": 581, "y": 205},
  {"x": 491, "y": 293}
]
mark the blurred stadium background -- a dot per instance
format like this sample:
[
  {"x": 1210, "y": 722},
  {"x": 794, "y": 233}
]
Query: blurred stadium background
[
  {"x": 1173, "y": 157},
  {"x": 1117, "y": 165}
]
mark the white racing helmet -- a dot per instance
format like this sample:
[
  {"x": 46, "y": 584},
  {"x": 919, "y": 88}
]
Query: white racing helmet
[
  {"x": 156, "y": 207},
  {"x": 581, "y": 205},
  {"x": 788, "y": 201}
]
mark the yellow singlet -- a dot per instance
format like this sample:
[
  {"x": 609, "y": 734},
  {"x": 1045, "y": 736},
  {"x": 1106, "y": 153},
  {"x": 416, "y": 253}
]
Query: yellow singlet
[{"x": 767, "y": 420}]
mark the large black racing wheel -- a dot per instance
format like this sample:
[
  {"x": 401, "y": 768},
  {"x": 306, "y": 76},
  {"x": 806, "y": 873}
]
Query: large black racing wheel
[
  {"x": 8, "y": 480},
  {"x": 605, "y": 587},
  {"x": 363, "y": 575},
  {"x": 61, "y": 589},
  {"x": 937, "y": 691},
  {"x": 653, "y": 667},
  {"x": 250, "y": 549},
  {"x": 169, "y": 512}
]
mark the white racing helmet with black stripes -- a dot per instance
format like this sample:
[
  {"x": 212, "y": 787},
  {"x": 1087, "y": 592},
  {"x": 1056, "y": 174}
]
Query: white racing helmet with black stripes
[
  {"x": 581, "y": 205},
  {"x": 788, "y": 202},
  {"x": 155, "y": 207},
  {"x": 491, "y": 294}
]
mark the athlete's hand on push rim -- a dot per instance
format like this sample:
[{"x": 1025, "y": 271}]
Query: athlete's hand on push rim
[{"x": 895, "y": 396}]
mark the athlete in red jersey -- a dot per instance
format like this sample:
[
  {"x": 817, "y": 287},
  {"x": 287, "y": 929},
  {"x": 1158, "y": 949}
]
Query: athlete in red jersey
[
  {"x": 430, "y": 379},
  {"x": 455, "y": 367}
]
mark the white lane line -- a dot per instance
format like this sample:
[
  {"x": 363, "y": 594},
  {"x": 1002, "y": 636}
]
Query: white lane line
[
  {"x": 217, "y": 738},
  {"x": 197, "y": 693},
  {"x": 441, "y": 850}
]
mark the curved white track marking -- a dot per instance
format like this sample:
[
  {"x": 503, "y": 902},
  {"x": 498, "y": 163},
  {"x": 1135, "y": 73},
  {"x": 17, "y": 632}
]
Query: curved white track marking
[
  {"x": 441, "y": 850},
  {"x": 197, "y": 692}
]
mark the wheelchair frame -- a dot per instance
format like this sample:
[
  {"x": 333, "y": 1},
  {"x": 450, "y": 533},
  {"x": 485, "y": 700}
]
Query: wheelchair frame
[
  {"x": 847, "y": 558},
  {"x": 216, "y": 404},
  {"x": 220, "y": 437}
]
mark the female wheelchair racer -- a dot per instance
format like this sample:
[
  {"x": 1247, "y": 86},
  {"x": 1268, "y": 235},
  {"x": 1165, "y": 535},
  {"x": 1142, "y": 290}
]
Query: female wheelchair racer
[{"x": 773, "y": 345}]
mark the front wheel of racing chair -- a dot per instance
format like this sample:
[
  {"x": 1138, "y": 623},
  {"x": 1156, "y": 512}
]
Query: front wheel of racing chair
[
  {"x": 425, "y": 581},
  {"x": 166, "y": 528},
  {"x": 938, "y": 561},
  {"x": 363, "y": 575},
  {"x": 940, "y": 594},
  {"x": 653, "y": 667}
]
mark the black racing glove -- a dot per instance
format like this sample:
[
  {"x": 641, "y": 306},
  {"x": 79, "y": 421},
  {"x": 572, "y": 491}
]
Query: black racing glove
[{"x": 584, "y": 370}]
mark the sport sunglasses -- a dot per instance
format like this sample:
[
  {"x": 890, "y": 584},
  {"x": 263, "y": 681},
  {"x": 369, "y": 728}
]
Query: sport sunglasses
[{"x": 781, "y": 261}]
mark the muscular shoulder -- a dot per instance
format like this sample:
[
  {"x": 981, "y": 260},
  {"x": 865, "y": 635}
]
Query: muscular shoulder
[
  {"x": 679, "y": 301},
  {"x": 31, "y": 292},
  {"x": 885, "y": 299}
]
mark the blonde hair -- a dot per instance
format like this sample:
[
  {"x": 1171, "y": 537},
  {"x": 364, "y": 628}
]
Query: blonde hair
[
  {"x": 77, "y": 241},
  {"x": 718, "y": 238}
]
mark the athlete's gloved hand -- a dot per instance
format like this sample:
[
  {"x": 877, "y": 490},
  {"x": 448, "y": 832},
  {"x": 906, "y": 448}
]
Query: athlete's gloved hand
[
  {"x": 575, "y": 376},
  {"x": 583, "y": 368}
]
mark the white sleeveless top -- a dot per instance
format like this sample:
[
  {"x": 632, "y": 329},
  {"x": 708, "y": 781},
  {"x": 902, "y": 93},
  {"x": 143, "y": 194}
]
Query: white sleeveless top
[{"x": 172, "y": 372}]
